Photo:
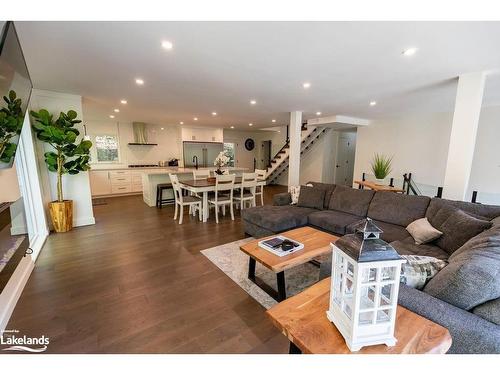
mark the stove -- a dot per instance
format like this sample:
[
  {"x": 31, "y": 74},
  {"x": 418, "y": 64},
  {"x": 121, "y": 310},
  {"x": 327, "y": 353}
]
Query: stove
[{"x": 142, "y": 165}]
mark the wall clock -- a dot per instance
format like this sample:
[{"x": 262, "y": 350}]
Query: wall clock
[{"x": 249, "y": 144}]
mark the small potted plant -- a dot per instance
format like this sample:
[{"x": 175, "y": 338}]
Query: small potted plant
[
  {"x": 69, "y": 157},
  {"x": 381, "y": 167},
  {"x": 11, "y": 123}
]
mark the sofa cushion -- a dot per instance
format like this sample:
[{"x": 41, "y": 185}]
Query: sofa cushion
[
  {"x": 409, "y": 207},
  {"x": 311, "y": 197},
  {"x": 489, "y": 310},
  {"x": 332, "y": 221},
  {"x": 351, "y": 201},
  {"x": 390, "y": 233},
  {"x": 277, "y": 218},
  {"x": 472, "y": 275},
  {"x": 328, "y": 188},
  {"x": 458, "y": 228},
  {"x": 407, "y": 246},
  {"x": 484, "y": 210}
]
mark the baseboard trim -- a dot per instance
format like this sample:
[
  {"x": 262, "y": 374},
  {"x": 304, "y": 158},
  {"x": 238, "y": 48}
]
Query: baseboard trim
[{"x": 12, "y": 291}]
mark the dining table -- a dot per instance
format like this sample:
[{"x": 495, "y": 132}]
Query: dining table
[{"x": 204, "y": 186}]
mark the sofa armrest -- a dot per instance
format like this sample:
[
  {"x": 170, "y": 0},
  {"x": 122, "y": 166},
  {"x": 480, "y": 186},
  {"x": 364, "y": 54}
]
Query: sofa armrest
[
  {"x": 470, "y": 333},
  {"x": 282, "y": 199}
]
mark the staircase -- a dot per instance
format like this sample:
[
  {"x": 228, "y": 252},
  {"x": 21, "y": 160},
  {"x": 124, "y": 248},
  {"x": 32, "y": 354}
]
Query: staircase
[{"x": 279, "y": 164}]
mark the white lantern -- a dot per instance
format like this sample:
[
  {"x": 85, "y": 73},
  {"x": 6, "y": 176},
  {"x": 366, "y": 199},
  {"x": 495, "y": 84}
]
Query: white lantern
[{"x": 364, "y": 288}]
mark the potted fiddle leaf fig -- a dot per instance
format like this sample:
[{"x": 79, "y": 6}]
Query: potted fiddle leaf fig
[
  {"x": 68, "y": 156},
  {"x": 381, "y": 167},
  {"x": 11, "y": 123}
]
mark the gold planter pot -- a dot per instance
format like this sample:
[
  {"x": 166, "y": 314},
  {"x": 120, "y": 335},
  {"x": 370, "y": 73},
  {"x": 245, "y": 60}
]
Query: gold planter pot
[{"x": 61, "y": 214}]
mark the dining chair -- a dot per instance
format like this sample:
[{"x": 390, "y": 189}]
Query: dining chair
[
  {"x": 181, "y": 201},
  {"x": 224, "y": 185},
  {"x": 200, "y": 174},
  {"x": 247, "y": 191},
  {"x": 259, "y": 190}
]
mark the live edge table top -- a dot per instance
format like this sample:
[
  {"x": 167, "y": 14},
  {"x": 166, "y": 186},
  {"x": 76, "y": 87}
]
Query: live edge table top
[
  {"x": 315, "y": 242},
  {"x": 302, "y": 319}
]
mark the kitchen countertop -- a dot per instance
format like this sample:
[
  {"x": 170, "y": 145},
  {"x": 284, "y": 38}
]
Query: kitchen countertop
[{"x": 187, "y": 170}]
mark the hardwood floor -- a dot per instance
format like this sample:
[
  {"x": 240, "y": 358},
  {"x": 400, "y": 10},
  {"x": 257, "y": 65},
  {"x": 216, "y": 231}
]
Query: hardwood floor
[{"x": 136, "y": 282}]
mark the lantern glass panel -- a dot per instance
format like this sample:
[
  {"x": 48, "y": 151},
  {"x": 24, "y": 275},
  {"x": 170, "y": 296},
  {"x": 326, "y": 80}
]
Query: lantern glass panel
[
  {"x": 386, "y": 294},
  {"x": 366, "y": 317},
  {"x": 383, "y": 315},
  {"x": 347, "y": 310},
  {"x": 337, "y": 287},
  {"x": 349, "y": 288},
  {"x": 388, "y": 273},
  {"x": 367, "y": 299},
  {"x": 369, "y": 275},
  {"x": 350, "y": 269},
  {"x": 339, "y": 260}
]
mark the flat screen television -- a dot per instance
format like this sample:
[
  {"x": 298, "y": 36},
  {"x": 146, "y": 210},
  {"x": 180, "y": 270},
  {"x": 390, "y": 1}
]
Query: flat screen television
[{"x": 15, "y": 91}]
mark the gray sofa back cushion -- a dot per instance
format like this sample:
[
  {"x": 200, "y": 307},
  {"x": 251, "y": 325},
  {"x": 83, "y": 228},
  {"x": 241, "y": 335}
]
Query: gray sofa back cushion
[
  {"x": 489, "y": 310},
  {"x": 472, "y": 276},
  {"x": 398, "y": 209},
  {"x": 311, "y": 197},
  {"x": 351, "y": 201},
  {"x": 484, "y": 210},
  {"x": 328, "y": 188}
]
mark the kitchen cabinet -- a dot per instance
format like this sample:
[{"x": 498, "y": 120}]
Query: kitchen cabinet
[
  {"x": 115, "y": 182},
  {"x": 100, "y": 183}
]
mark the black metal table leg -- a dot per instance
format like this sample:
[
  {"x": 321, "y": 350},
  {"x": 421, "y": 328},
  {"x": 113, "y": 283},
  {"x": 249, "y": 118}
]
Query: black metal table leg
[
  {"x": 294, "y": 349},
  {"x": 280, "y": 276},
  {"x": 251, "y": 269}
]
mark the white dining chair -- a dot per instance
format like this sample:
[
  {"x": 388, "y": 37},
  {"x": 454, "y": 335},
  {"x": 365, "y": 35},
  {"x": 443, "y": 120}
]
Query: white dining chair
[
  {"x": 201, "y": 174},
  {"x": 224, "y": 186},
  {"x": 261, "y": 175},
  {"x": 181, "y": 201},
  {"x": 247, "y": 191}
]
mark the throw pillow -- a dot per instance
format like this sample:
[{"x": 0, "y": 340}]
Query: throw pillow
[
  {"x": 422, "y": 231},
  {"x": 295, "y": 192},
  {"x": 496, "y": 221},
  {"x": 418, "y": 270},
  {"x": 458, "y": 228},
  {"x": 311, "y": 197}
]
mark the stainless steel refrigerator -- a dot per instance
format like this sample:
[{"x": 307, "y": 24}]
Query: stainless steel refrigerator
[{"x": 206, "y": 152}]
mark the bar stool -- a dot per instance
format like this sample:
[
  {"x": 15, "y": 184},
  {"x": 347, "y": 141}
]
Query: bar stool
[{"x": 159, "y": 194}]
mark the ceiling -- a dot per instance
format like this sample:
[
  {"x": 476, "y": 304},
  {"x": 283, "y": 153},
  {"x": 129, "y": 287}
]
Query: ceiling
[{"x": 221, "y": 66}]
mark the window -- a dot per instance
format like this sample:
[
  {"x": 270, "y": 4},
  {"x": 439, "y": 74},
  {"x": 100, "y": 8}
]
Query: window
[
  {"x": 107, "y": 149},
  {"x": 229, "y": 150}
]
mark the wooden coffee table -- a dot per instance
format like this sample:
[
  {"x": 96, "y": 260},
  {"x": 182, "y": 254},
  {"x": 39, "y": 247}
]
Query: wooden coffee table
[
  {"x": 315, "y": 242},
  {"x": 302, "y": 318}
]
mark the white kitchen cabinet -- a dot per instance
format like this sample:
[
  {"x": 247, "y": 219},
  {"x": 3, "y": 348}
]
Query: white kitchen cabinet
[{"x": 100, "y": 182}]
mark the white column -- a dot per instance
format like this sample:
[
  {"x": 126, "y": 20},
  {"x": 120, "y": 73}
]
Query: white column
[
  {"x": 463, "y": 135},
  {"x": 295, "y": 134}
]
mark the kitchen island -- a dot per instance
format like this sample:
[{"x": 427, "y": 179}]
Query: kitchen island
[{"x": 151, "y": 178}]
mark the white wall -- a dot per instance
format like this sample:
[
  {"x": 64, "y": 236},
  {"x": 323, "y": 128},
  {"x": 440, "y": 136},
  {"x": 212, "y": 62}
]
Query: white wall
[
  {"x": 168, "y": 139},
  {"x": 75, "y": 187},
  {"x": 418, "y": 144},
  {"x": 9, "y": 191}
]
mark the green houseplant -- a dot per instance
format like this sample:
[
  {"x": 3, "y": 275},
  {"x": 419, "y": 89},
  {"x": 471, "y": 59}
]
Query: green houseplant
[
  {"x": 11, "y": 123},
  {"x": 68, "y": 157},
  {"x": 381, "y": 166}
]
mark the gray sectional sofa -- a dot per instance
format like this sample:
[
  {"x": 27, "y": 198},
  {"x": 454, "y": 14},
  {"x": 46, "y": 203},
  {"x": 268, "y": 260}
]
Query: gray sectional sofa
[{"x": 464, "y": 296}]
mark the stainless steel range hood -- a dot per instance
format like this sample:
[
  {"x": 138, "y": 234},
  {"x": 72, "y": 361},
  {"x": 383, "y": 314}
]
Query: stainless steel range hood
[{"x": 141, "y": 135}]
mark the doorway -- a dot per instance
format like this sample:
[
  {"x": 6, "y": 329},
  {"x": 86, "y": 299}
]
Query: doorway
[
  {"x": 265, "y": 154},
  {"x": 346, "y": 150}
]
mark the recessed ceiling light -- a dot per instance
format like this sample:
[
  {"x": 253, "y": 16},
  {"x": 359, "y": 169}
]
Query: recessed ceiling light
[
  {"x": 306, "y": 85},
  {"x": 273, "y": 120},
  {"x": 195, "y": 118},
  {"x": 250, "y": 124},
  {"x": 279, "y": 131},
  {"x": 373, "y": 103},
  {"x": 318, "y": 113},
  {"x": 167, "y": 45},
  {"x": 409, "y": 51},
  {"x": 162, "y": 128},
  {"x": 139, "y": 81},
  {"x": 111, "y": 116},
  {"x": 214, "y": 113},
  {"x": 123, "y": 101},
  {"x": 116, "y": 110},
  {"x": 182, "y": 122},
  {"x": 253, "y": 102},
  {"x": 232, "y": 127}
]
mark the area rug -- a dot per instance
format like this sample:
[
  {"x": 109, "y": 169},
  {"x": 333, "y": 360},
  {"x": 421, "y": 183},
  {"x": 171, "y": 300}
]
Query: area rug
[{"x": 234, "y": 263}]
